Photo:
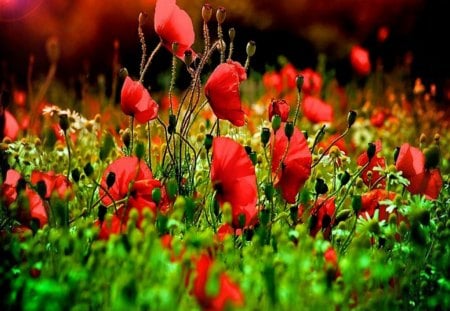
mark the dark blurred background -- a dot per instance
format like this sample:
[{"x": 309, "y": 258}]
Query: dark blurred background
[{"x": 299, "y": 30}]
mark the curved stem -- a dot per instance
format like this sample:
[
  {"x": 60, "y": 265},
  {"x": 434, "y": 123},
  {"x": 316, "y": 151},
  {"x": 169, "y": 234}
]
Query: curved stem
[{"x": 149, "y": 61}]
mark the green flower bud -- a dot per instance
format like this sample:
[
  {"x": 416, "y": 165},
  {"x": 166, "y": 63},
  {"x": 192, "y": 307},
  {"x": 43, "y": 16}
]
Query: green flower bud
[
  {"x": 299, "y": 80},
  {"x": 139, "y": 150},
  {"x": 371, "y": 149},
  {"x": 345, "y": 178},
  {"x": 221, "y": 14},
  {"x": 293, "y": 213},
  {"x": 207, "y": 12},
  {"x": 208, "y": 142},
  {"x": 172, "y": 188},
  {"x": 123, "y": 73},
  {"x": 265, "y": 136},
  {"x": 231, "y": 33},
  {"x": 268, "y": 191},
  {"x": 75, "y": 175},
  {"x": 156, "y": 195},
  {"x": 126, "y": 138},
  {"x": 396, "y": 152},
  {"x": 264, "y": 217},
  {"x": 251, "y": 48},
  {"x": 110, "y": 179},
  {"x": 351, "y": 118},
  {"x": 175, "y": 47},
  {"x": 188, "y": 57},
  {"x": 356, "y": 203},
  {"x": 276, "y": 122},
  {"x": 289, "y": 129},
  {"x": 88, "y": 169},
  {"x": 64, "y": 121}
]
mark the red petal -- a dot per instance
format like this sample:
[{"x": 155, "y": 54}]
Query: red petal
[
  {"x": 316, "y": 110},
  {"x": 11, "y": 127},
  {"x": 410, "y": 161}
]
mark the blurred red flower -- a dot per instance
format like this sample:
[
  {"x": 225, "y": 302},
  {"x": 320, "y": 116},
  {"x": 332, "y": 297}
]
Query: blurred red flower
[
  {"x": 136, "y": 101},
  {"x": 229, "y": 293},
  {"x": 360, "y": 61},
  {"x": 233, "y": 177},
  {"x": 53, "y": 183},
  {"x": 114, "y": 226},
  {"x": 292, "y": 171},
  {"x": 11, "y": 127},
  {"x": 288, "y": 76},
  {"x": 426, "y": 181},
  {"x": 371, "y": 202},
  {"x": 312, "y": 82},
  {"x": 272, "y": 82},
  {"x": 321, "y": 216},
  {"x": 173, "y": 24},
  {"x": 363, "y": 159},
  {"x": 331, "y": 260},
  {"x": 279, "y": 107},
  {"x": 129, "y": 171},
  {"x": 222, "y": 91},
  {"x": 316, "y": 110}
]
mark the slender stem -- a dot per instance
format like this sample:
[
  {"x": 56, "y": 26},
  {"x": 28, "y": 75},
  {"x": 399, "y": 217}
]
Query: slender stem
[
  {"x": 297, "y": 109},
  {"x": 130, "y": 152},
  {"x": 172, "y": 82},
  {"x": 329, "y": 147},
  {"x": 149, "y": 61},
  {"x": 221, "y": 42},
  {"x": 149, "y": 136},
  {"x": 316, "y": 139},
  {"x": 68, "y": 154},
  {"x": 143, "y": 48}
]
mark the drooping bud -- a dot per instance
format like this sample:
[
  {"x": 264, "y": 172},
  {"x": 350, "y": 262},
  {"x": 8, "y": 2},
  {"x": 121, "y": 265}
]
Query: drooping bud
[
  {"x": 299, "y": 82},
  {"x": 207, "y": 12},
  {"x": 208, "y": 142},
  {"x": 251, "y": 48},
  {"x": 231, "y": 33},
  {"x": 321, "y": 187},
  {"x": 265, "y": 136},
  {"x": 221, "y": 14},
  {"x": 351, "y": 118},
  {"x": 110, "y": 179},
  {"x": 289, "y": 129},
  {"x": 371, "y": 149}
]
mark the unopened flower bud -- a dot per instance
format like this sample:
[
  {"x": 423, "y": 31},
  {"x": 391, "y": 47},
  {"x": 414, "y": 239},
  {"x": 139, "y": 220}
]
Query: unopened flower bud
[
  {"x": 276, "y": 122},
  {"x": 221, "y": 14},
  {"x": 268, "y": 191},
  {"x": 356, "y": 203},
  {"x": 123, "y": 73},
  {"x": 299, "y": 82},
  {"x": 265, "y": 136},
  {"x": 156, "y": 195},
  {"x": 53, "y": 49},
  {"x": 396, "y": 152},
  {"x": 207, "y": 12},
  {"x": 126, "y": 137},
  {"x": 251, "y": 48},
  {"x": 289, "y": 129},
  {"x": 371, "y": 149},
  {"x": 110, "y": 179},
  {"x": 75, "y": 175},
  {"x": 64, "y": 121},
  {"x": 101, "y": 212},
  {"x": 88, "y": 169},
  {"x": 422, "y": 138},
  {"x": 188, "y": 57},
  {"x": 139, "y": 150},
  {"x": 351, "y": 118},
  {"x": 208, "y": 142},
  {"x": 253, "y": 157},
  {"x": 345, "y": 178},
  {"x": 321, "y": 187},
  {"x": 41, "y": 188},
  {"x": 231, "y": 33}
]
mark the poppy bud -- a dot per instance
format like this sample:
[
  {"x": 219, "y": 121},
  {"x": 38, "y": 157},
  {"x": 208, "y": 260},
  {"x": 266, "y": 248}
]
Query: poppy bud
[
  {"x": 305, "y": 134},
  {"x": 351, "y": 118},
  {"x": 75, "y": 175},
  {"x": 156, "y": 195},
  {"x": 265, "y": 136},
  {"x": 221, "y": 14},
  {"x": 139, "y": 150},
  {"x": 41, "y": 188},
  {"x": 142, "y": 18},
  {"x": 268, "y": 191},
  {"x": 343, "y": 215},
  {"x": 172, "y": 188},
  {"x": 101, "y": 212},
  {"x": 422, "y": 138},
  {"x": 21, "y": 185},
  {"x": 321, "y": 187},
  {"x": 64, "y": 121},
  {"x": 248, "y": 149},
  {"x": 289, "y": 129},
  {"x": 251, "y": 48},
  {"x": 299, "y": 82},
  {"x": 371, "y": 149},
  {"x": 276, "y": 122},
  {"x": 345, "y": 178},
  {"x": 356, "y": 203},
  {"x": 88, "y": 169},
  {"x": 253, "y": 157},
  {"x": 126, "y": 137},
  {"x": 208, "y": 142},
  {"x": 53, "y": 49},
  {"x": 172, "y": 124},
  {"x": 123, "y": 73},
  {"x": 207, "y": 12},
  {"x": 432, "y": 157},
  {"x": 188, "y": 57},
  {"x": 175, "y": 46},
  {"x": 396, "y": 152},
  {"x": 231, "y": 33},
  {"x": 110, "y": 179}
]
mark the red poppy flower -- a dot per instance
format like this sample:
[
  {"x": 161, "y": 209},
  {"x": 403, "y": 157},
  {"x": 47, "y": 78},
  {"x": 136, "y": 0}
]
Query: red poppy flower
[
  {"x": 288, "y": 76},
  {"x": 296, "y": 166},
  {"x": 378, "y": 117},
  {"x": 136, "y": 101},
  {"x": 229, "y": 293},
  {"x": 279, "y": 107},
  {"x": 374, "y": 162},
  {"x": 35, "y": 208},
  {"x": 173, "y": 24},
  {"x": 312, "y": 82},
  {"x": 129, "y": 171},
  {"x": 321, "y": 216},
  {"x": 371, "y": 202},
  {"x": 108, "y": 228},
  {"x": 11, "y": 128},
  {"x": 222, "y": 91},
  {"x": 359, "y": 58},
  {"x": 316, "y": 110},
  {"x": 234, "y": 179},
  {"x": 54, "y": 183},
  {"x": 272, "y": 81},
  {"x": 331, "y": 260},
  {"x": 19, "y": 98},
  {"x": 426, "y": 181}
]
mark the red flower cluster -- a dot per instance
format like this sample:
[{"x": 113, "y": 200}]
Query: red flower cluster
[
  {"x": 136, "y": 101},
  {"x": 229, "y": 293},
  {"x": 35, "y": 208},
  {"x": 423, "y": 180},
  {"x": 279, "y": 107},
  {"x": 291, "y": 172},
  {"x": 321, "y": 216},
  {"x": 222, "y": 91},
  {"x": 363, "y": 159},
  {"x": 133, "y": 180},
  {"x": 359, "y": 58},
  {"x": 173, "y": 25},
  {"x": 234, "y": 179}
]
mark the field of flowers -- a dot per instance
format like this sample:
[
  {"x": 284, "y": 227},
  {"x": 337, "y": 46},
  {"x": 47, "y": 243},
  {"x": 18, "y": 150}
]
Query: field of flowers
[{"x": 280, "y": 191}]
